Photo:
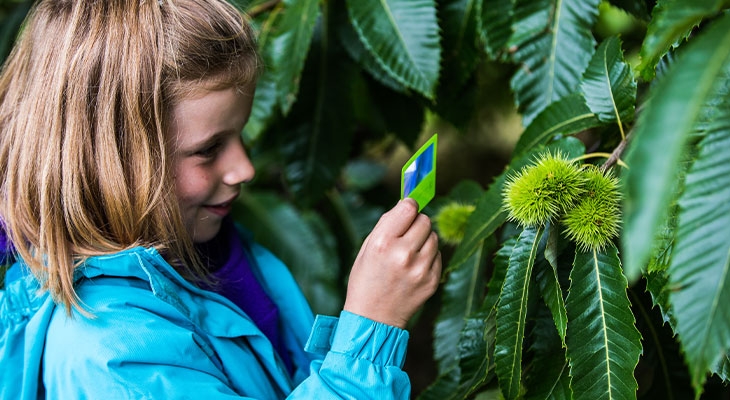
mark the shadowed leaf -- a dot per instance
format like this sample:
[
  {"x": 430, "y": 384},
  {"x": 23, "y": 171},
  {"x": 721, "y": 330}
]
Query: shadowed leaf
[
  {"x": 462, "y": 295},
  {"x": 608, "y": 86},
  {"x": 699, "y": 270},
  {"x": 546, "y": 277},
  {"x": 603, "y": 343},
  {"x": 566, "y": 116},
  {"x": 289, "y": 46},
  {"x": 656, "y": 152},
  {"x": 496, "y": 25},
  {"x": 672, "y": 22},
  {"x": 552, "y": 44},
  {"x": 403, "y": 37},
  {"x": 512, "y": 312}
]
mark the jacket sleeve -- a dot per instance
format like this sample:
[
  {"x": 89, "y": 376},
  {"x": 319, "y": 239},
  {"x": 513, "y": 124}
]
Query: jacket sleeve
[{"x": 363, "y": 359}]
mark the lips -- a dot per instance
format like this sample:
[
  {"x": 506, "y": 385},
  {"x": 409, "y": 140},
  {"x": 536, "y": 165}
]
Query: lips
[{"x": 221, "y": 209}]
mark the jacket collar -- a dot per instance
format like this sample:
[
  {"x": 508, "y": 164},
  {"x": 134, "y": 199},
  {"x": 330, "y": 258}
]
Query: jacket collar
[{"x": 168, "y": 285}]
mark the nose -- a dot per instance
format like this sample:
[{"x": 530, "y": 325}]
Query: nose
[{"x": 237, "y": 166}]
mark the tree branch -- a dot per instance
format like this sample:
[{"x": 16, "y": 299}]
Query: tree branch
[{"x": 616, "y": 154}]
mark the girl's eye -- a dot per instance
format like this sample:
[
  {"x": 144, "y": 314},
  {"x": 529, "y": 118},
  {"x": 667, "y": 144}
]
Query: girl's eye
[{"x": 209, "y": 151}]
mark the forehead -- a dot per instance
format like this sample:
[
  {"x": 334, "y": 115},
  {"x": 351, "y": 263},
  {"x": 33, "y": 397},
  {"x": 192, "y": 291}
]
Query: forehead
[{"x": 208, "y": 112}]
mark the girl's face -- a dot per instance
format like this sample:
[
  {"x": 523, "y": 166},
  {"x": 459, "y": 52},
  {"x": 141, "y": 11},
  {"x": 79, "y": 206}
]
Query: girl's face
[{"x": 209, "y": 162}]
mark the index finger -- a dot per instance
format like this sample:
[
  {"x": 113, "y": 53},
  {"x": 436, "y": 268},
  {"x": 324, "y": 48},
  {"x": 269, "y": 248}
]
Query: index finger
[{"x": 398, "y": 220}]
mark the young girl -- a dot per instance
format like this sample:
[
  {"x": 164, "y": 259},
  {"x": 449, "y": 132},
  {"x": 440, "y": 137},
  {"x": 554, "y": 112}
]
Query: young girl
[{"x": 120, "y": 157}]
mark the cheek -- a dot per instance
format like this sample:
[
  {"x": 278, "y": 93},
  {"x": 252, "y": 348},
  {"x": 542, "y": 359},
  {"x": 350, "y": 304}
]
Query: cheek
[{"x": 191, "y": 185}]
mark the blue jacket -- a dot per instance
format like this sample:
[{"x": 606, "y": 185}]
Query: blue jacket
[{"x": 153, "y": 335}]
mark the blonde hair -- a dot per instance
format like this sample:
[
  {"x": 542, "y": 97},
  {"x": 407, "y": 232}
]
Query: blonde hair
[{"x": 84, "y": 97}]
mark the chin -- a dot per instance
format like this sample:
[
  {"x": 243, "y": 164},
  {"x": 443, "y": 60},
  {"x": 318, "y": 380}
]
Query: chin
[{"x": 202, "y": 233}]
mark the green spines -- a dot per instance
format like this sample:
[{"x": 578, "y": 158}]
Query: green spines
[
  {"x": 596, "y": 219},
  {"x": 541, "y": 192},
  {"x": 585, "y": 199},
  {"x": 451, "y": 221}
]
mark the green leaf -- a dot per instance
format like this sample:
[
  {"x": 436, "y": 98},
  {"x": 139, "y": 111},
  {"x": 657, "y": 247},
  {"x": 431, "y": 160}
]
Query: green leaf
[
  {"x": 549, "y": 377},
  {"x": 496, "y": 20},
  {"x": 458, "y": 104},
  {"x": 442, "y": 388},
  {"x": 608, "y": 84},
  {"x": 546, "y": 277},
  {"x": 356, "y": 49},
  {"x": 655, "y": 155},
  {"x": 461, "y": 296},
  {"x": 512, "y": 312},
  {"x": 722, "y": 369},
  {"x": 699, "y": 271},
  {"x": 566, "y": 116},
  {"x": 316, "y": 141},
  {"x": 289, "y": 45},
  {"x": 553, "y": 44},
  {"x": 300, "y": 240},
  {"x": 603, "y": 343},
  {"x": 476, "y": 344},
  {"x": 664, "y": 244},
  {"x": 459, "y": 21},
  {"x": 401, "y": 114},
  {"x": 501, "y": 263},
  {"x": 402, "y": 35},
  {"x": 466, "y": 191},
  {"x": 363, "y": 174},
  {"x": 553, "y": 245},
  {"x": 657, "y": 284},
  {"x": 554, "y": 381},
  {"x": 352, "y": 220},
  {"x": 489, "y": 213},
  {"x": 265, "y": 107},
  {"x": 661, "y": 353},
  {"x": 381, "y": 110},
  {"x": 672, "y": 22},
  {"x": 476, "y": 340},
  {"x": 636, "y": 8},
  {"x": 475, "y": 348}
]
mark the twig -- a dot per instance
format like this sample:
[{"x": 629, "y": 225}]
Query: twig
[{"x": 616, "y": 154}]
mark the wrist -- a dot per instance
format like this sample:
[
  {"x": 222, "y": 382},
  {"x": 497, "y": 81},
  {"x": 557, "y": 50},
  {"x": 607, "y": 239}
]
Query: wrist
[{"x": 379, "y": 317}]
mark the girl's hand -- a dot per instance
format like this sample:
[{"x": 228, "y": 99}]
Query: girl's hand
[{"x": 397, "y": 269}]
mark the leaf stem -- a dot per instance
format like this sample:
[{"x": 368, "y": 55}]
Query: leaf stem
[
  {"x": 621, "y": 129},
  {"x": 616, "y": 154},
  {"x": 609, "y": 156}
]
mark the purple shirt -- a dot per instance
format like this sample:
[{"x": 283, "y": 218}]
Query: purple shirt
[{"x": 233, "y": 278}]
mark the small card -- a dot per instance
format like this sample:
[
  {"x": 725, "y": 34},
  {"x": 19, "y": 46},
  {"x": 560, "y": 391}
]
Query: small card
[{"x": 418, "y": 176}]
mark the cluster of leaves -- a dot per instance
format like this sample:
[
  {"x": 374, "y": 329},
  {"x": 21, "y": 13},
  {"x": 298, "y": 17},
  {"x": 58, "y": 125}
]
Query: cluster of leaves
[{"x": 557, "y": 322}]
